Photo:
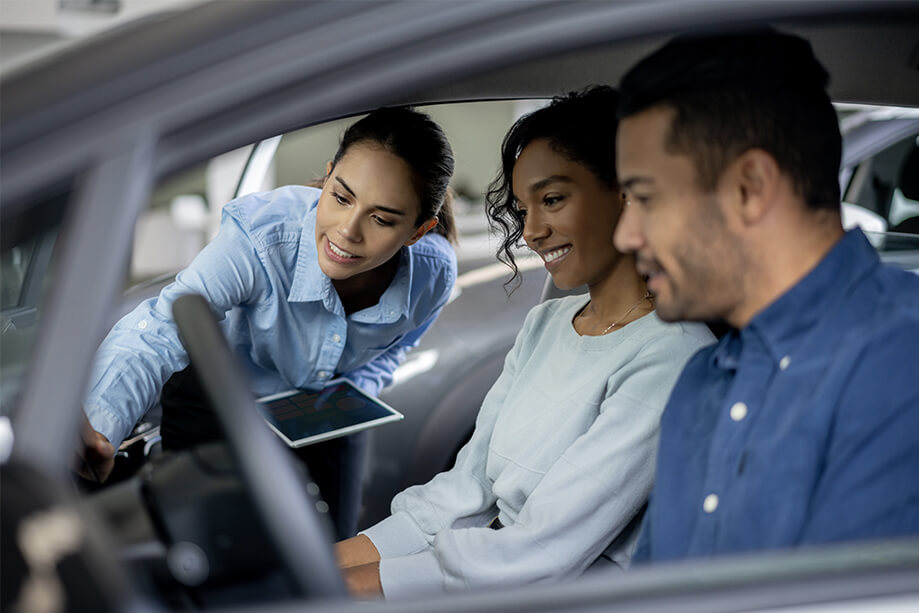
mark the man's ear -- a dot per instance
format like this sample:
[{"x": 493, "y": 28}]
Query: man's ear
[
  {"x": 756, "y": 178},
  {"x": 421, "y": 231}
]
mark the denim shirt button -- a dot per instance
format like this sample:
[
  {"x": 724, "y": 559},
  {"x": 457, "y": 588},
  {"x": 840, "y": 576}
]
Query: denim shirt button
[
  {"x": 710, "y": 503},
  {"x": 738, "y": 411},
  {"x": 784, "y": 362}
]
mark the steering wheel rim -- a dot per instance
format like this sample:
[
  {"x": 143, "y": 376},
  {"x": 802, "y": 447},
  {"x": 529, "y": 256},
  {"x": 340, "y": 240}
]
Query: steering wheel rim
[{"x": 289, "y": 512}]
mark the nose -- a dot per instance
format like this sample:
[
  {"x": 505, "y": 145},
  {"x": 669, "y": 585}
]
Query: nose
[
  {"x": 351, "y": 226},
  {"x": 628, "y": 237},
  {"x": 535, "y": 228}
]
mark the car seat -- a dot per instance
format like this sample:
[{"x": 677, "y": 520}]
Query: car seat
[{"x": 909, "y": 187}]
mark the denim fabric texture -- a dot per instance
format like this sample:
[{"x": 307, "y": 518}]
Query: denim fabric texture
[{"x": 802, "y": 427}]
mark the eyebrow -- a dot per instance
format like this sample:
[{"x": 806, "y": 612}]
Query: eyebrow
[
  {"x": 632, "y": 181},
  {"x": 376, "y": 206},
  {"x": 543, "y": 183}
]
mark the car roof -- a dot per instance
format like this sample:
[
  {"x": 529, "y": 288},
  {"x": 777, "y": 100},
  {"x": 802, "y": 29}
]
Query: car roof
[{"x": 224, "y": 74}]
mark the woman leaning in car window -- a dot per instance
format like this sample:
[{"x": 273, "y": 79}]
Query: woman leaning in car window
[
  {"x": 310, "y": 284},
  {"x": 556, "y": 474}
]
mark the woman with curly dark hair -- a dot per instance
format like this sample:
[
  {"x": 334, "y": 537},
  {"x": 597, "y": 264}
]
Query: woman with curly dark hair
[{"x": 557, "y": 472}]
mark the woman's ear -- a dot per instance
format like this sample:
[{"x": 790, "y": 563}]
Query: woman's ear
[
  {"x": 422, "y": 230},
  {"x": 328, "y": 170}
]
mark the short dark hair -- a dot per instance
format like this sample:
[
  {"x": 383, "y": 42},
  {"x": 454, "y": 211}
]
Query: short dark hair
[
  {"x": 581, "y": 126},
  {"x": 417, "y": 139},
  {"x": 734, "y": 92}
]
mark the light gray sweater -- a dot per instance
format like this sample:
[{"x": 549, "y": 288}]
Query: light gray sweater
[{"x": 563, "y": 453}]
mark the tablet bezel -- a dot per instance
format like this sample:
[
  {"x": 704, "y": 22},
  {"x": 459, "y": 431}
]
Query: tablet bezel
[{"x": 393, "y": 415}]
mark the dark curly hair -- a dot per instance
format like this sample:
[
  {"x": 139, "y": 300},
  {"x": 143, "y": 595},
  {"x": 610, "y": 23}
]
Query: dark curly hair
[{"x": 581, "y": 126}]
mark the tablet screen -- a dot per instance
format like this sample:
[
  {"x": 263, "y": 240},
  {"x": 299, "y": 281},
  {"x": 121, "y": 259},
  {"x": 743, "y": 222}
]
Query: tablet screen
[{"x": 304, "y": 417}]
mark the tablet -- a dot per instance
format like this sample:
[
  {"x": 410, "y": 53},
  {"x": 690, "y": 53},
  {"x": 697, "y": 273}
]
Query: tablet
[{"x": 303, "y": 417}]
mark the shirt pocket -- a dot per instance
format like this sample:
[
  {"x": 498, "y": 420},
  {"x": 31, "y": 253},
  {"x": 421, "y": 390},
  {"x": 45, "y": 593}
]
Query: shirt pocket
[{"x": 783, "y": 471}]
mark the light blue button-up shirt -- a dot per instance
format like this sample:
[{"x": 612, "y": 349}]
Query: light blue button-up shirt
[{"x": 278, "y": 309}]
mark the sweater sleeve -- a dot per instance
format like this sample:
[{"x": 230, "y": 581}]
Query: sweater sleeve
[
  {"x": 143, "y": 349},
  {"x": 459, "y": 495},
  {"x": 587, "y": 497}
]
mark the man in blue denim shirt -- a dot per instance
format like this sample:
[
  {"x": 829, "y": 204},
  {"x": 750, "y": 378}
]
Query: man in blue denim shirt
[{"x": 801, "y": 425}]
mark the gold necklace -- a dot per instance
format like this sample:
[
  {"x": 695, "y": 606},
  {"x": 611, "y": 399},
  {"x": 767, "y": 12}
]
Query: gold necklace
[{"x": 647, "y": 296}]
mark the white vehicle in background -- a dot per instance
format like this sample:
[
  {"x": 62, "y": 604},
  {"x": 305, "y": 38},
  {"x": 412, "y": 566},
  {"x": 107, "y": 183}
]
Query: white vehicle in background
[{"x": 879, "y": 177}]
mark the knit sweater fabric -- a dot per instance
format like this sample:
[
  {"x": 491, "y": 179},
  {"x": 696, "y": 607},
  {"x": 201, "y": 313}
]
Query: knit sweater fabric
[{"x": 563, "y": 454}]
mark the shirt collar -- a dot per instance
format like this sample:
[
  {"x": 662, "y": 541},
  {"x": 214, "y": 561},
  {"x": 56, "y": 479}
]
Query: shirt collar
[
  {"x": 395, "y": 302},
  {"x": 783, "y": 323},
  {"x": 310, "y": 284}
]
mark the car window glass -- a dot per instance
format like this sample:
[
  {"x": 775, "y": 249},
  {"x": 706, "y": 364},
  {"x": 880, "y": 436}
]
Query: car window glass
[
  {"x": 171, "y": 230},
  {"x": 886, "y": 184},
  {"x": 184, "y": 210},
  {"x": 14, "y": 264},
  {"x": 26, "y": 272}
]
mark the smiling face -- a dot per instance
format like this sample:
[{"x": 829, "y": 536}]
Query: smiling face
[
  {"x": 569, "y": 215},
  {"x": 367, "y": 211},
  {"x": 684, "y": 245}
]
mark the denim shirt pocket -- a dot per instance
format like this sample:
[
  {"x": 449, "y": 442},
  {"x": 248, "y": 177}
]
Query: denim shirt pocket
[{"x": 782, "y": 471}]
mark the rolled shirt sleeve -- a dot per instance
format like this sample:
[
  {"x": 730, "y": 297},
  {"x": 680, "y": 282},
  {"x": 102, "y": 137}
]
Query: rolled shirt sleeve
[
  {"x": 280, "y": 312},
  {"x": 144, "y": 349}
]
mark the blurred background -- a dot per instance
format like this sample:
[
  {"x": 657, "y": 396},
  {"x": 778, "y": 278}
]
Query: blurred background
[{"x": 184, "y": 211}]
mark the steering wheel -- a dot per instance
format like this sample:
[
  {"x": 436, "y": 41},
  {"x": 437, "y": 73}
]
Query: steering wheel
[{"x": 287, "y": 509}]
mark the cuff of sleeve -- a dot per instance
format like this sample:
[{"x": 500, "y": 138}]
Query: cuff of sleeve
[
  {"x": 411, "y": 576},
  {"x": 103, "y": 421},
  {"x": 397, "y": 535},
  {"x": 371, "y": 386}
]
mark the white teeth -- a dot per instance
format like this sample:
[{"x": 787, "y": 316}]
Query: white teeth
[
  {"x": 340, "y": 252},
  {"x": 556, "y": 254}
]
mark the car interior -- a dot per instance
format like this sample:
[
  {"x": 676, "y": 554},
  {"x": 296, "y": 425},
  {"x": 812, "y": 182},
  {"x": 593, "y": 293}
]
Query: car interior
[{"x": 236, "y": 525}]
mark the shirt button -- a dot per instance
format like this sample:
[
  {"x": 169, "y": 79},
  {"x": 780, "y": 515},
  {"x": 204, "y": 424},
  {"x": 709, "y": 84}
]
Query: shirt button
[
  {"x": 336, "y": 338},
  {"x": 322, "y": 374},
  {"x": 738, "y": 411},
  {"x": 784, "y": 362},
  {"x": 710, "y": 503},
  {"x": 142, "y": 324}
]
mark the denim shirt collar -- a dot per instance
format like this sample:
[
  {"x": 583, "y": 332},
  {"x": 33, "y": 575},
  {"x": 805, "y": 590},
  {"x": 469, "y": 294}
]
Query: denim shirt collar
[
  {"x": 783, "y": 323},
  {"x": 310, "y": 284}
]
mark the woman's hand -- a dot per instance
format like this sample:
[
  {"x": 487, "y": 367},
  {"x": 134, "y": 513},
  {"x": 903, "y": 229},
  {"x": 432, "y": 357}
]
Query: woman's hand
[
  {"x": 356, "y": 551},
  {"x": 360, "y": 563},
  {"x": 97, "y": 456},
  {"x": 364, "y": 581}
]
